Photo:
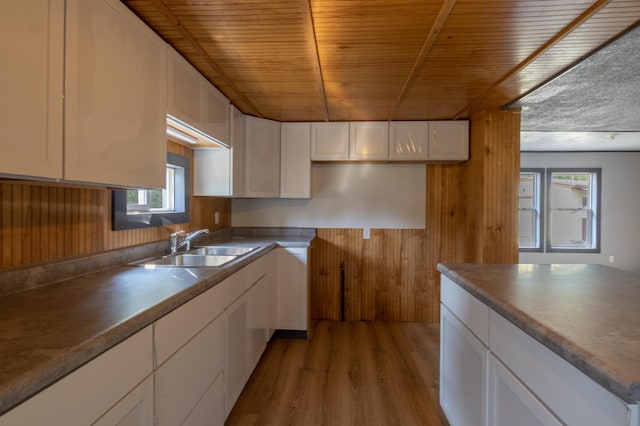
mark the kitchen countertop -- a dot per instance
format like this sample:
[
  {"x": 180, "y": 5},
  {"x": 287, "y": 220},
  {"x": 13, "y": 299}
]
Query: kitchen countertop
[
  {"x": 50, "y": 330},
  {"x": 587, "y": 314}
]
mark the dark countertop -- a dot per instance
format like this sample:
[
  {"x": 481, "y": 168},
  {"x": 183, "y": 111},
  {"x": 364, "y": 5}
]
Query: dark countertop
[
  {"x": 587, "y": 314},
  {"x": 48, "y": 331}
]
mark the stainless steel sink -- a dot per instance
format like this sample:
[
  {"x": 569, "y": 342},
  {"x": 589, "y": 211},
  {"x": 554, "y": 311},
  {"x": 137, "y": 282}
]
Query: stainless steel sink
[
  {"x": 187, "y": 260},
  {"x": 222, "y": 250}
]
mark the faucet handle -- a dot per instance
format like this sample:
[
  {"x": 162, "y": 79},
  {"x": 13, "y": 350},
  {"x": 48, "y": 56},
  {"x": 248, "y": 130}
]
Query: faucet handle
[{"x": 174, "y": 235}]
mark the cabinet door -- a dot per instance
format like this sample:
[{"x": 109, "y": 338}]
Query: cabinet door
[
  {"x": 236, "y": 362},
  {"x": 292, "y": 290},
  {"x": 216, "y": 114},
  {"x": 295, "y": 172},
  {"x": 330, "y": 141},
  {"x": 262, "y": 139},
  {"x": 272, "y": 293},
  {"x": 512, "y": 403},
  {"x": 184, "y": 379},
  {"x": 463, "y": 373},
  {"x": 185, "y": 95},
  {"x": 115, "y": 102},
  {"x": 408, "y": 140},
  {"x": 135, "y": 409},
  {"x": 369, "y": 140},
  {"x": 32, "y": 46},
  {"x": 449, "y": 140},
  {"x": 210, "y": 409},
  {"x": 237, "y": 153},
  {"x": 257, "y": 322}
]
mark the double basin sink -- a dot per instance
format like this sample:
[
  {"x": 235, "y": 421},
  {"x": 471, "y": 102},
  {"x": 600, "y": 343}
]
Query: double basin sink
[{"x": 202, "y": 256}]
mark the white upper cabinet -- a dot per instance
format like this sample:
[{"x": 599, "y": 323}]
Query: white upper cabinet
[
  {"x": 369, "y": 140},
  {"x": 295, "y": 171},
  {"x": 449, "y": 140},
  {"x": 262, "y": 150},
  {"x": 115, "y": 102},
  {"x": 32, "y": 46},
  {"x": 330, "y": 141},
  {"x": 195, "y": 101},
  {"x": 408, "y": 140},
  {"x": 185, "y": 92}
]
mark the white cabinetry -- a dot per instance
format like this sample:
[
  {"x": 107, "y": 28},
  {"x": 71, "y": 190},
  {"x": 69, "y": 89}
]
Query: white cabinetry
[
  {"x": 192, "y": 99},
  {"x": 32, "y": 46},
  {"x": 463, "y": 373},
  {"x": 369, "y": 140},
  {"x": 88, "y": 393},
  {"x": 330, "y": 141},
  {"x": 262, "y": 150},
  {"x": 295, "y": 161},
  {"x": 115, "y": 101},
  {"x": 408, "y": 140},
  {"x": 526, "y": 383},
  {"x": 448, "y": 140},
  {"x": 292, "y": 289},
  {"x": 220, "y": 172}
]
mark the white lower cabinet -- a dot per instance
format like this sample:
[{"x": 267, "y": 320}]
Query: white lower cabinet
[
  {"x": 237, "y": 352},
  {"x": 210, "y": 409},
  {"x": 512, "y": 379},
  {"x": 135, "y": 409},
  {"x": 183, "y": 380},
  {"x": 93, "y": 390},
  {"x": 463, "y": 373},
  {"x": 292, "y": 289},
  {"x": 512, "y": 403}
]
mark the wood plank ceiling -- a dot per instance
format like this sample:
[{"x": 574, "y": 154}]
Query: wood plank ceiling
[{"x": 349, "y": 60}]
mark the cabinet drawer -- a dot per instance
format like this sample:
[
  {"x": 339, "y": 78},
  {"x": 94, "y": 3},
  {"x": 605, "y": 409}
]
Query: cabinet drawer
[
  {"x": 84, "y": 395},
  {"x": 185, "y": 378},
  {"x": 473, "y": 313},
  {"x": 569, "y": 393},
  {"x": 177, "y": 327}
]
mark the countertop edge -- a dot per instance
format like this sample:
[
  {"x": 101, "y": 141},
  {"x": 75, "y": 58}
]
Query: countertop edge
[{"x": 564, "y": 348}]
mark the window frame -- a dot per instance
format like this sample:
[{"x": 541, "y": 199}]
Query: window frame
[
  {"x": 121, "y": 220},
  {"x": 541, "y": 192},
  {"x": 596, "y": 211}
]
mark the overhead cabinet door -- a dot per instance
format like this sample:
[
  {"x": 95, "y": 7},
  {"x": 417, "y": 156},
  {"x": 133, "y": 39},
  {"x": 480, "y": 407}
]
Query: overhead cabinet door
[
  {"x": 115, "y": 103},
  {"x": 32, "y": 43}
]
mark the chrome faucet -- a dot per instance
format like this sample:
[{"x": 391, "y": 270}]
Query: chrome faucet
[{"x": 177, "y": 243}]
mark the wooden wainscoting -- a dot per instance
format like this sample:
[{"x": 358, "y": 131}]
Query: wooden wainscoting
[
  {"x": 384, "y": 276},
  {"x": 41, "y": 222}
]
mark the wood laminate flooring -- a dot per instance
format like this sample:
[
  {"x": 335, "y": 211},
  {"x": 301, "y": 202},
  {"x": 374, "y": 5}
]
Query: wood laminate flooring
[{"x": 350, "y": 373}]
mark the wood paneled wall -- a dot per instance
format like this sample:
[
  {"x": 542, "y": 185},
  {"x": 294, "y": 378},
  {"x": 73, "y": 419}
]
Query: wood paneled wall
[
  {"x": 471, "y": 217},
  {"x": 42, "y": 222}
]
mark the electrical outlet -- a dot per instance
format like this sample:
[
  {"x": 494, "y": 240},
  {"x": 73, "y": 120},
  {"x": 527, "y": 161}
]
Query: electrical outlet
[
  {"x": 366, "y": 233},
  {"x": 217, "y": 217},
  {"x": 612, "y": 259}
]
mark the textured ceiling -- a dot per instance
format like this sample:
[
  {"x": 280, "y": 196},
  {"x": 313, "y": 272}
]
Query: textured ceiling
[{"x": 594, "y": 106}]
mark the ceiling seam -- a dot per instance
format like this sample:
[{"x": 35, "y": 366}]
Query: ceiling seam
[
  {"x": 441, "y": 19},
  {"x": 312, "y": 42},
  {"x": 584, "y": 16},
  {"x": 175, "y": 22}
]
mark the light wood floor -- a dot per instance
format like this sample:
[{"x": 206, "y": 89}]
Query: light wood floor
[{"x": 351, "y": 373}]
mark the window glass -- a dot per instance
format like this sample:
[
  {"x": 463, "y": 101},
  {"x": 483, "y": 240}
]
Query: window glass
[{"x": 529, "y": 217}]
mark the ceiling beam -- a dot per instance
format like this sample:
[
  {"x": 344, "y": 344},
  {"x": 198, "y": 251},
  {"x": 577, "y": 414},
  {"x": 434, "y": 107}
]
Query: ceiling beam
[
  {"x": 184, "y": 32},
  {"x": 584, "y": 16},
  {"x": 441, "y": 19},
  {"x": 312, "y": 43}
]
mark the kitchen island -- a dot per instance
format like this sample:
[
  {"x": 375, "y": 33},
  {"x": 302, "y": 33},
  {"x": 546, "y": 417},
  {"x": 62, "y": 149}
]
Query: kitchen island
[{"x": 561, "y": 340}]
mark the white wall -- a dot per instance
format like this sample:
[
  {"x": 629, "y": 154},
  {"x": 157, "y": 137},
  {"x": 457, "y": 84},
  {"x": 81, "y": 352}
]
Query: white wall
[
  {"x": 346, "y": 196},
  {"x": 620, "y": 210}
]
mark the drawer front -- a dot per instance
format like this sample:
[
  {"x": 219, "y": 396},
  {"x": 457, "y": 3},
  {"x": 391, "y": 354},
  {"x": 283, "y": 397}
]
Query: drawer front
[
  {"x": 185, "y": 378},
  {"x": 569, "y": 393},
  {"x": 470, "y": 311},
  {"x": 176, "y": 328}
]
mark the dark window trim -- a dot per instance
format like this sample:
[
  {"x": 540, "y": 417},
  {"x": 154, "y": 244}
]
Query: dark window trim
[
  {"x": 121, "y": 220},
  {"x": 598, "y": 173},
  {"x": 541, "y": 212}
]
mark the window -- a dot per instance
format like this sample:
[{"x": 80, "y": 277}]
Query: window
[
  {"x": 573, "y": 210},
  {"x": 530, "y": 210},
  {"x": 565, "y": 212},
  {"x": 139, "y": 208}
]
